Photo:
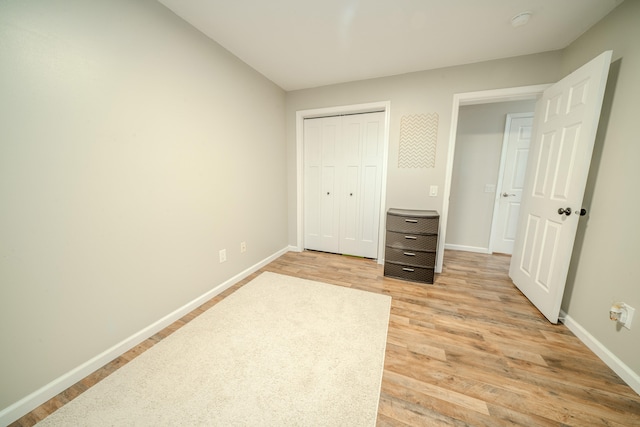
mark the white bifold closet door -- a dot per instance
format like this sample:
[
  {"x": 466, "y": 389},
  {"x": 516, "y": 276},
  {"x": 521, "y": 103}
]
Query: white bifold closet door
[{"x": 342, "y": 183}]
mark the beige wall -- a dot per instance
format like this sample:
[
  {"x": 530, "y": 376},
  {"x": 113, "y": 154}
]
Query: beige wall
[
  {"x": 133, "y": 149},
  {"x": 415, "y": 93},
  {"x": 478, "y": 151},
  {"x": 604, "y": 267}
]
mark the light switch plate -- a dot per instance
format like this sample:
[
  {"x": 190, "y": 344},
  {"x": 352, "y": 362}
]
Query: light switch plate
[
  {"x": 490, "y": 188},
  {"x": 433, "y": 191}
]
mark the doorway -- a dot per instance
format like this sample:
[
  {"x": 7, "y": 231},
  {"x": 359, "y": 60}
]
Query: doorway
[
  {"x": 384, "y": 107},
  {"x": 480, "y": 218},
  {"x": 473, "y": 98},
  {"x": 342, "y": 183}
]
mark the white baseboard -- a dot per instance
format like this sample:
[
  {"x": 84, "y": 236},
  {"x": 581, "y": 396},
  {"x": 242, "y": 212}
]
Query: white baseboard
[
  {"x": 40, "y": 396},
  {"x": 467, "y": 248},
  {"x": 611, "y": 360}
]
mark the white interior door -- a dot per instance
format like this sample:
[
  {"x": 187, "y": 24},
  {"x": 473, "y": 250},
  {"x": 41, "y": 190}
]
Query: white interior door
[
  {"x": 515, "y": 153},
  {"x": 321, "y": 184},
  {"x": 566, "y": 119}
]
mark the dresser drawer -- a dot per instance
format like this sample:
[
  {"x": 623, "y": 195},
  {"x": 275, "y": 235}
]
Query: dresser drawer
[
  {"x": 417, "y": 223},
  {"x": 404, "y": 256},
  {"x": 405, "y": 272},
  {"x": 424, "y": 242}
]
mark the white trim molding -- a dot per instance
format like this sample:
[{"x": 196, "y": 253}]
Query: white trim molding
[
  {"x": 40, "y": 396},
  {"x": 467, "y": 248},
  {"x": 611, "y": 360}
]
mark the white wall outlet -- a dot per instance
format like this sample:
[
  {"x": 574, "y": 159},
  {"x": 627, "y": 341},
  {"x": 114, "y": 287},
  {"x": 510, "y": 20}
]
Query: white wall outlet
[
  {"x": 433, "y": 191},
  {"x": 243, "y": 247},
  {"x": 630, "y": 312},
  {"x": 223, "y": 255},
  {"x": 622, "y": 313}
]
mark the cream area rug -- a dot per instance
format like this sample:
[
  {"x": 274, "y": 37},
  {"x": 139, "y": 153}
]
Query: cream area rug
[{"x": 280, "y": 351}]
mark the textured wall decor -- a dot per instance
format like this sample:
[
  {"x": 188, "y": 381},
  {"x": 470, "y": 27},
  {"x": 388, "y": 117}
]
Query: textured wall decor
[{"x": 418, "y": 140}]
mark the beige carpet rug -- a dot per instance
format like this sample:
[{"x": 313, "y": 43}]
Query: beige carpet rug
[{"x": 279, "y": 351}]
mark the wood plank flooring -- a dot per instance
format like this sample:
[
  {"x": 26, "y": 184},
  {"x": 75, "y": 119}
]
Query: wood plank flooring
[{"x": 468, "y": 350}]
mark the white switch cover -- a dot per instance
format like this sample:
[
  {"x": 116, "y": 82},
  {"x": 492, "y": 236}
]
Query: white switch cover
[
  {"x": 490, "y": 188},
  {"x": 433, "y": 191}
]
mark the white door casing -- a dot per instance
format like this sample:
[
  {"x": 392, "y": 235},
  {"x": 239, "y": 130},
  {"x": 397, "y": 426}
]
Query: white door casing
[
  {"x": 343, "y": 177},
  {"x": 566, "y": 123},
  {"x": 515, "y": 151}
]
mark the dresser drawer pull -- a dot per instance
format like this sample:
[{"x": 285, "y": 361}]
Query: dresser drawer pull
[
  {"x": 410, "y": 270},
  {"x": 414, "y": 221},
  {"x": 411, "y": 237},
  {"x": 409, "y": 254}
]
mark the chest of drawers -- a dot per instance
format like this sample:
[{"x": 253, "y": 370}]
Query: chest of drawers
[{"x": 411, "y": 242}]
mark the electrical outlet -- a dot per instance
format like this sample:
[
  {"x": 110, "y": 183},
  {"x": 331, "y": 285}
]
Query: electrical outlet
[
  {"x": 243, "y": 246},
  {"x": 630, "y": 312},
  {"x": 223, "y": 255}
]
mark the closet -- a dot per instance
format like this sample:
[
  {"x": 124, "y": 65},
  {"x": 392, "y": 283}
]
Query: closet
[{"x": 342, "y": 183}]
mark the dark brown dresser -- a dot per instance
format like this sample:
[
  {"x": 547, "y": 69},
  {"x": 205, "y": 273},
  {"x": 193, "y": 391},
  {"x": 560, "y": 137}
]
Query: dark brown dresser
[{"x": 411, "y": 242}]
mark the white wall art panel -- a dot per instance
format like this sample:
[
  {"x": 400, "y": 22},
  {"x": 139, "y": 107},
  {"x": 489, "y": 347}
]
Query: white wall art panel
[{"x": 418, "y": 140}]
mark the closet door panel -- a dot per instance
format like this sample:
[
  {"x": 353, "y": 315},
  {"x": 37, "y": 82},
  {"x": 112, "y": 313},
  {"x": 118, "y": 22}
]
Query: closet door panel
[
  {"x": 349, "y": 213},
  {"x": 371, "y": 183},
  {"x": 312, "y": 203},
  {"x": 331, "y": 182},
  {"x": 369, "y": 224},
  {"x": 312, "y": 183},
  {"x": 351, "y": 137},
  {"x": 321, "y": 184}
]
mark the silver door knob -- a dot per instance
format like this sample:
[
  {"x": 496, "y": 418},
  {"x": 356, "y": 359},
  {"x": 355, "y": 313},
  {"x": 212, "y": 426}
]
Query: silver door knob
[
  {"x": 566, "y": 211},
  {"x": 508, "y": 195}
]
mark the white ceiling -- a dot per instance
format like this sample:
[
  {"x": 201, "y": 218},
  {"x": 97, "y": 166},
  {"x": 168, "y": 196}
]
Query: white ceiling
[{"x": 301, "y": 44}]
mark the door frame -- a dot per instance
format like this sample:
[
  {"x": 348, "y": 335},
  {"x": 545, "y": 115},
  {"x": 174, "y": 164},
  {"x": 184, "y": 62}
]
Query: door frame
[
  {"x": 519, "y": 93},
  {"x": 503, "y": 162},
  {"x": 371, "y": 107}
]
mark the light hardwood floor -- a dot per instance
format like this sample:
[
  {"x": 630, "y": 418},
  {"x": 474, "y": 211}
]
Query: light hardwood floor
[{"x": 468, "y": 350}]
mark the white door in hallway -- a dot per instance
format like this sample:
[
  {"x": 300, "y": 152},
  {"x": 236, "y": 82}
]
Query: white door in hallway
[
  {"x": 343, "y": 183},
  {"x": 516, "y": 152},
  {"x": 566, "y": 122}
]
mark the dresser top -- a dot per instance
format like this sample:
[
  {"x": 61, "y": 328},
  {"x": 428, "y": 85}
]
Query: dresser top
[{"x": 413, "y": 213}]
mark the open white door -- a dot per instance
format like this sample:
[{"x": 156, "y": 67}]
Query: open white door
[{"x": 567, "y": 118}]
